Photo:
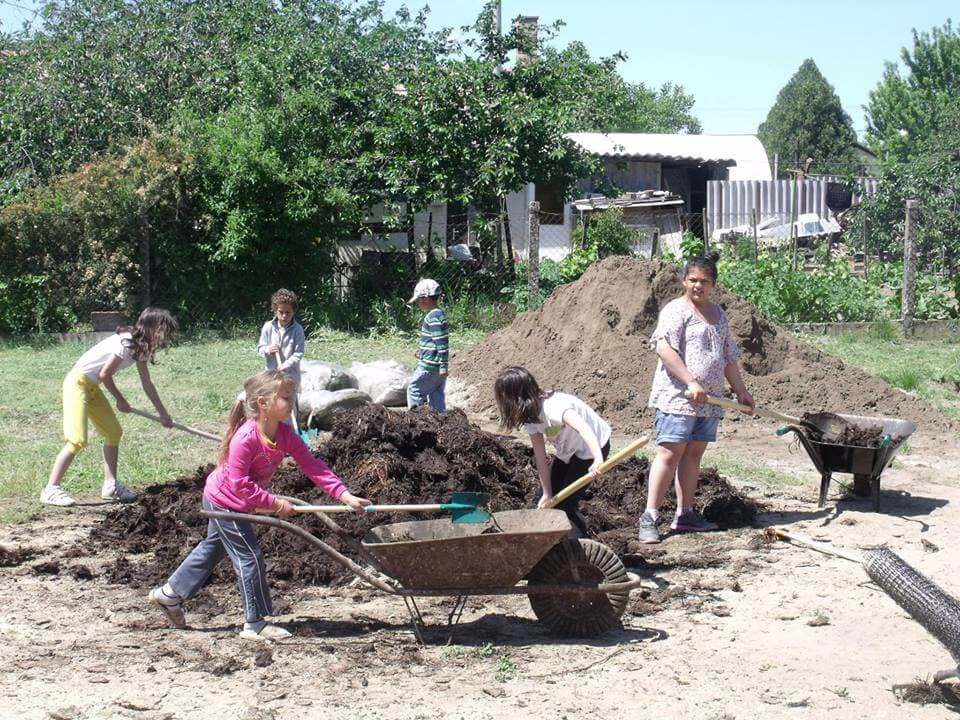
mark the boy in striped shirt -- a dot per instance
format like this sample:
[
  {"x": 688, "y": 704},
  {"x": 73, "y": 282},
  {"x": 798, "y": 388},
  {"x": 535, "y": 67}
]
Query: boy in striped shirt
[{"x": 430, "y": 378}]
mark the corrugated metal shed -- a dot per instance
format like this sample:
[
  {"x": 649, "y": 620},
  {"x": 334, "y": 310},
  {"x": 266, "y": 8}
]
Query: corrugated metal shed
[{"x": 744, "y": 152}]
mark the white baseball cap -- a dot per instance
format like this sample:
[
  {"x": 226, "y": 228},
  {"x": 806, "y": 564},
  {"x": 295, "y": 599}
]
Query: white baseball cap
[{"x": 425, "y": 288}]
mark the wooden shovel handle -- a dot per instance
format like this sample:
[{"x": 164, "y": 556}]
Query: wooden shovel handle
[
  {"x": 375, "y": 508},
  {"x": 178, "y": 426},
  {"x": 608, "y": 464},
  {"x": 762, "y": 412}
]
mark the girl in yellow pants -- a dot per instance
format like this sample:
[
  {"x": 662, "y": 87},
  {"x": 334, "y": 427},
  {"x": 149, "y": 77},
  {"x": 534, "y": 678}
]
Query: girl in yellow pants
[{"x": 83, "y": 400}]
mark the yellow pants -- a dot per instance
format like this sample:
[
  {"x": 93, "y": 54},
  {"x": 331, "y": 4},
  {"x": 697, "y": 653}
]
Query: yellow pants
[{"x": 82, "y": 399}]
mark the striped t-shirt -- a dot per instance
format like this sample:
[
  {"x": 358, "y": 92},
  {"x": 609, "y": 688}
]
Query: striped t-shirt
[{"x": 434, "y": 343}]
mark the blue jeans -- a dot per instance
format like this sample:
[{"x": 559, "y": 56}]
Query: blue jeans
[
  {"x": 237, "y": 540},
  {"x": 673, "y": 428},
  {"x": 427, "y": 388}
]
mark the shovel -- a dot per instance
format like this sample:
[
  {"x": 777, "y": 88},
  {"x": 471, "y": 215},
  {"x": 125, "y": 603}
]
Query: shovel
[
  {"x": 466, "y": 507},
  {"x": 178, "y": 426},
  {"x": 818, "y": 425},
  {"x": 608, "y": 464}
]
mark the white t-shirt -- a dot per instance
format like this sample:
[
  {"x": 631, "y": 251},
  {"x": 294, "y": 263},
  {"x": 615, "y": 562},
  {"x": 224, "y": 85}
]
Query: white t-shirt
[
  {"x": 93, "y": 360},
  {"x": 567, "y": 441}
]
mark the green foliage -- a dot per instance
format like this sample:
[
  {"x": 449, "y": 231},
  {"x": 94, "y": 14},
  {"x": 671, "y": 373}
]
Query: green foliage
[
  {"x": 935, "y": 297},
  {"x": 883, "y": 329},
  {"x": 906, "y": 109},
  {"x": 905, "y": 378},
  {"x": 94, "y": 239},
  {"x": 929, "y": 172},
  {"x": 690, "y": 245},
  {"x": 808, "y": 118},
  {"x": 506, "y": 669},
  {"x": 551, "y": 275},
  {"x": 606, "y": 235},
  {"x": 240, "y": 140},
  {"x": 783, "y": 295}
]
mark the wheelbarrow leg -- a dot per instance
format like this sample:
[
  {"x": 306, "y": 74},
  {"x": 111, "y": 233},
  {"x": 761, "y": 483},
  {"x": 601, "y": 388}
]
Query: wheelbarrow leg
[
  {"x": 875, "y": 492},
  {"x": 416, "y": 619},
  {"x": 824, "y": 487},
  {"x": 456, "y": 612}
]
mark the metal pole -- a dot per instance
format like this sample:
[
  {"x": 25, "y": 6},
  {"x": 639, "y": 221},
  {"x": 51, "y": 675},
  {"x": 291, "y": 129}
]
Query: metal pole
[
  {"x": 533, "y": 256},
  {"x": 909, "y": 266},
  {"x": 756, "y": 240}
]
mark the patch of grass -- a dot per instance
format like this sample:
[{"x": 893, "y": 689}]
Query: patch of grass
[
  {"x": 916, "y": 365},
  {"x": 905, "y": 378},
  {"x": 198, "y": 380},
  {"x": 884, "y": 330}
]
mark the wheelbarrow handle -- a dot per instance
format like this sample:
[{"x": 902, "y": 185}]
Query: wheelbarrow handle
[
  {"x": 759, "y": 411},
  {"x": 608, "y": 464},
  {"x": 178, "y": 426}
]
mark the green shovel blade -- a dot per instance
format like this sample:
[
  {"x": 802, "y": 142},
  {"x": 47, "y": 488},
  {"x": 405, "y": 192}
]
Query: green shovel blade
[{"x": 467, "y": 507}]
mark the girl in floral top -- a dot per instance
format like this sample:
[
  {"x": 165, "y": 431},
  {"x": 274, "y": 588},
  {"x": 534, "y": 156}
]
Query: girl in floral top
[{"x": 697, "y": 354}]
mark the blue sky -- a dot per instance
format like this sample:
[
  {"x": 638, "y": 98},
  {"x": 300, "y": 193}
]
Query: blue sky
[{"x": 733, "y": 56}]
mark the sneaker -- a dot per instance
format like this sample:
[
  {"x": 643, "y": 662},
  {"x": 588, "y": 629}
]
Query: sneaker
[
  {"x": 55, "y": 495},
  {"x": 692, "y": 521},
  {"x": 648, "y": 529},
  {"x": 266, "y": 634},
  {"x": 118, "y": 493},
  {"x": 173, "y": 609}
]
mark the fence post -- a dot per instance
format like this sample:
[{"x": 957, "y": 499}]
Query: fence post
[
  {"x": 756, "y": 239},
  {"x": 909, "y": 266},
  {"x": 706, "y": 234},
  {"x": 533, "y": 255}
]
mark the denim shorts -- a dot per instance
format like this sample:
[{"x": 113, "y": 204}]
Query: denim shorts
[{"x": 685, "y": 428}]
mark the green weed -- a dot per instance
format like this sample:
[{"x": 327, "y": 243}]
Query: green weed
[{"x": 506, "y": 669}]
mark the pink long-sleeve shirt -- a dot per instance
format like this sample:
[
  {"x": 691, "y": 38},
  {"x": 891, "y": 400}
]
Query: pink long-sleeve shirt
[{"x": 241, "y": 482}]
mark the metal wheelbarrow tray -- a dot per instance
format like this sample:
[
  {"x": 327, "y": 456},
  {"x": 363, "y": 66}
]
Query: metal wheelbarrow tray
[
  {"x": 577, "y": 588},
  {"x": 865, "y": 463}
]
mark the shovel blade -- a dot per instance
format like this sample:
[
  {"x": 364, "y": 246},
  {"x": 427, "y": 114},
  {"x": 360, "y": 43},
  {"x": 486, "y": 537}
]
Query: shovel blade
[{"x": 468, "y": 507}]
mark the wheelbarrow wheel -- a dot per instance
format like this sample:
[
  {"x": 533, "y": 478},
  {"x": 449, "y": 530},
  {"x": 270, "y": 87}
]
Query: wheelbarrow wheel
[{"x": 578, "y": 614}]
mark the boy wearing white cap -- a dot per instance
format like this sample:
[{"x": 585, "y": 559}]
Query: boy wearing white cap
[{"x": 430, "y": 378}]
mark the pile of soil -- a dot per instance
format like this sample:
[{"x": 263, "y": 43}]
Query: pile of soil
[
  {"x": 411, "y": 457},
  {"x": 590, "y": 338}
]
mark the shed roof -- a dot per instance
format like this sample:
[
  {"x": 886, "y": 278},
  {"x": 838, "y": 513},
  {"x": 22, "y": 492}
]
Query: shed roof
[{"x": 744, "y": 152}]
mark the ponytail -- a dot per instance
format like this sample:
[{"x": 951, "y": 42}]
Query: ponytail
[{"x": 262, "y": 385}]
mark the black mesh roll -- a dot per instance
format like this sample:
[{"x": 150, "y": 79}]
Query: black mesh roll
[{"x": 937, "y": 611}]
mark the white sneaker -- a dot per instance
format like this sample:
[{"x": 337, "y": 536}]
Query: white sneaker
[
  {"x": 55, "y": 495},
  {"x": 173, "y": 610},
  {"x": 117, "y": 493},
  {"x": 266, "y": 634}
]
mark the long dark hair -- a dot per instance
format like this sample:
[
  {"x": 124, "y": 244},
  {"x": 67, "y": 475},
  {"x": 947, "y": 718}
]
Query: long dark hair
[
  {"x": 264, "y": 384},
  {"x": 519, "y": 397},
  {"x": 153, "y": 331}
]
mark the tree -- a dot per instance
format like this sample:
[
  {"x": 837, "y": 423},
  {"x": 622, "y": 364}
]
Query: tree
[
  {"x": 808, "y": 121},
  {"x": 904, "y": 110},
  {"x": 931, "y": 174}
]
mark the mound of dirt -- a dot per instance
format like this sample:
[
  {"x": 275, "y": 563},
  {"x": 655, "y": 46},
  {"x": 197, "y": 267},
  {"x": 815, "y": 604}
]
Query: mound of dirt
[
  {"x": 590, "y": 338},
  {"x": 392, "y": 458}
]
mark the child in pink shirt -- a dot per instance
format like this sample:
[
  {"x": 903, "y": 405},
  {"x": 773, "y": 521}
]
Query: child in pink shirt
[{"x": 256, "y": 442}]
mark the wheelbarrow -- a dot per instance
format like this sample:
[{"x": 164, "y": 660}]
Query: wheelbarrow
[
  {"x": 864, "y": 462},
  {"x": 577, "y": 588}
]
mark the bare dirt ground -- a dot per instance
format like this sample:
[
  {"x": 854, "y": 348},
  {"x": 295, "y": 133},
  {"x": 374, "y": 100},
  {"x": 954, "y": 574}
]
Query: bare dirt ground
[{"x": 728, "y": 627}]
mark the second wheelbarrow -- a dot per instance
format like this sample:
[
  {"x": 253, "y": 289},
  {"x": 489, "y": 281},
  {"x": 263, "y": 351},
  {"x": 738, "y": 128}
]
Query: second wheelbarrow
[
  {"x": 864, "y": 461},
  {"x": 577, "y": 588}
]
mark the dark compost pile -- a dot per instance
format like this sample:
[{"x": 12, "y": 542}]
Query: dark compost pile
[{"x": 409, "y": 457}]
